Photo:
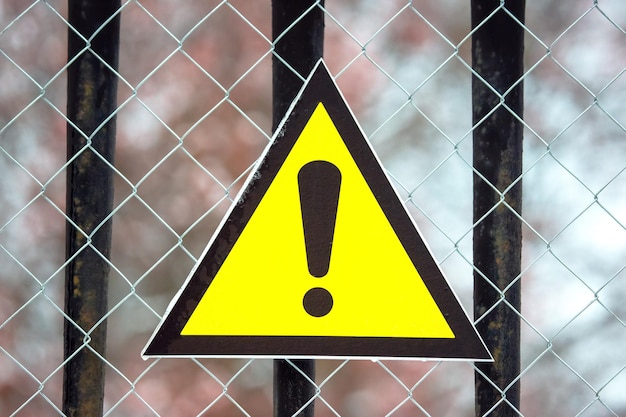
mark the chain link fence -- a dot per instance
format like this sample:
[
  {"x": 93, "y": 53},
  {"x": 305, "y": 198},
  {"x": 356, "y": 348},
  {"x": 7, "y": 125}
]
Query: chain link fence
[{"x": 194, "y": 113}]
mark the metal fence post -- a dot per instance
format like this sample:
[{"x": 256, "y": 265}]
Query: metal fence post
[
  {"x": 298, "y": 34},
  {"x": 91, "y": 101},
  {"x": 497, "y": 59}
]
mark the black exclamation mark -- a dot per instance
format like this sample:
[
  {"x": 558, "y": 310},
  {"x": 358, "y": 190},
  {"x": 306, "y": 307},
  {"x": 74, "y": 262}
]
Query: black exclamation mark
[{"x": 319, "y": 183}]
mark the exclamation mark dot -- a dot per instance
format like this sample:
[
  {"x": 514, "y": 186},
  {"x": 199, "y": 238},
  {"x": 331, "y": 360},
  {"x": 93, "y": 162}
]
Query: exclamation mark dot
[{"x": 319, "y": 183}]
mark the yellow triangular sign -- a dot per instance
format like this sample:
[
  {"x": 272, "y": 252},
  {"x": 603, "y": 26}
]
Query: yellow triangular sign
[
  {"x": 260, "y": 286},
  {"x": 317, "y": 257}
]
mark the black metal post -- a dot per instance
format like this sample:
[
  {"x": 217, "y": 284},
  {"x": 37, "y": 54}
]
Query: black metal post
[
  {"x": 497, "y": 55},
  {"x": 298, "y": 33},
  {"x": 91, "y": 100}
]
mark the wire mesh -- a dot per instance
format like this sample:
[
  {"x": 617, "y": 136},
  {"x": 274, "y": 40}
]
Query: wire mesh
[{"x": 194, "y": 113}]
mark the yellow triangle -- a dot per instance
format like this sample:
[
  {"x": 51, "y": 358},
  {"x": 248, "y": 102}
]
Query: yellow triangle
[{"x": 259, "y": 288}]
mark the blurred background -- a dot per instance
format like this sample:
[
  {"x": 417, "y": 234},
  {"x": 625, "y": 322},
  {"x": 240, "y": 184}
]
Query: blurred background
[{"x": 194, "y": 114}]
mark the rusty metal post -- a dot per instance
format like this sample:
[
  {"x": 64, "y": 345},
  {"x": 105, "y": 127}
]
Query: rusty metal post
[
  {"x": 497, "y": 58},
  {"x": 298, "y": 33},
  {"x": 93, "y": 45}
]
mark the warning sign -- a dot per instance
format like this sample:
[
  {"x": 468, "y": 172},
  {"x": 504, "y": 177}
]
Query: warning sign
[{"x": 317, "y": 257}]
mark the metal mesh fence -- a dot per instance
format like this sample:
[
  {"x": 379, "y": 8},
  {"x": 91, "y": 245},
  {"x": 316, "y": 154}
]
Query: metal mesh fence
[{"x": 193, "y": 115}]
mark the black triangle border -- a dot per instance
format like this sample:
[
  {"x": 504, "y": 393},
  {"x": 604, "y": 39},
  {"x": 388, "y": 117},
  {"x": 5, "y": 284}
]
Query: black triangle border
[{"x": 167, "y": 340}]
